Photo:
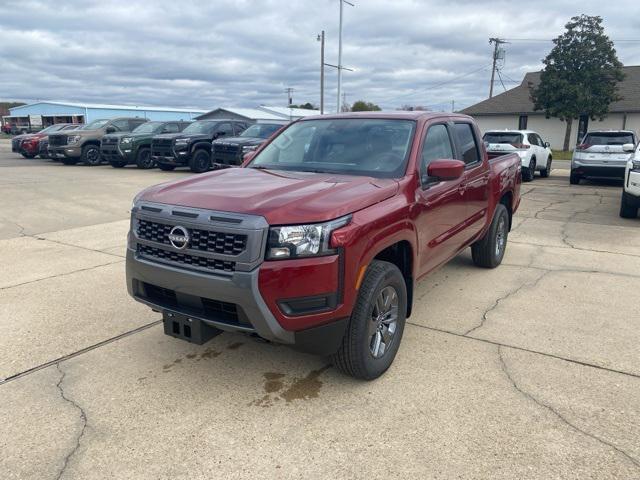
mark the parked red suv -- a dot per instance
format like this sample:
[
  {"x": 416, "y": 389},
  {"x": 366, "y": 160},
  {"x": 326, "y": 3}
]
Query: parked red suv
[
  {"x": 318, "y": 240},
  {"x": 29, "y": 145}
]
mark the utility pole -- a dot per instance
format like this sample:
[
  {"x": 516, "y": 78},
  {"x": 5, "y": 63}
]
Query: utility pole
[
  {"x": 497, "y": 42},
  {"x": 289, "y": 91},
  {"x": 342, "y": 2},
  {"x": 321, "y": 40},
  {"x": 453, "y": 106},
  {"x": 344, "y": 102}
]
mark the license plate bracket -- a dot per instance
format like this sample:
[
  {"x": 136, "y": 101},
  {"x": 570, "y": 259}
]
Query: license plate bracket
[{"x": 187, "y": 328}]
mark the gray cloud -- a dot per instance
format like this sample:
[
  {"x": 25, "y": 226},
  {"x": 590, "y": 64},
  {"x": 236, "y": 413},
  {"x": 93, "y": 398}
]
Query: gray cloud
[{"x": 245, "y": 52}]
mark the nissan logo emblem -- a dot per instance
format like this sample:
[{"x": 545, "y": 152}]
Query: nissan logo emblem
[{"x": 179, "y": 237}]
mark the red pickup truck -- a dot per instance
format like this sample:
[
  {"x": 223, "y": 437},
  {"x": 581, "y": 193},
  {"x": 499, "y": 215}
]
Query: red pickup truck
[{"x": 318, "y": 241}]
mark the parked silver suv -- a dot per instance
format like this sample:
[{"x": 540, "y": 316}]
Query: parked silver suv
[{"x": 601, "y": 155}]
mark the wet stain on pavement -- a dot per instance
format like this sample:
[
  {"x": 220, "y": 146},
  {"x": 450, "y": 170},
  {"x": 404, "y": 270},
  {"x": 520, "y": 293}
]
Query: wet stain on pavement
[
  {"x": 191, "y": 356},
  {"x": 235, "y": 346},
  {"x": 299, "y": 389},
  {"x": 210, "y": 353}
]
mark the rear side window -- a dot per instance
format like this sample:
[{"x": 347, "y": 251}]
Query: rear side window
[
  {"x": 503, "y": 137},
  {"x": 122, "y": 125},
  {"x": 133, "y": 124},
  {"x": 608, "y": 138},
  {"x": 467, "y": 143},
  {"x": 533, "y": 140},
  {"x": 224, "y": 129},
  {"x": 437, "y": 146},
  {"x": 171, "y": 128}
]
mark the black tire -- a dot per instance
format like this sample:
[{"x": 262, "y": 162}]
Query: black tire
[
  {"x": 117, "y": 164},
  {"x": 529, "y": 172},
  {"x": 91, "y": 155},
  {"x": 355, "y": 356},
  {"x": 546, "y": 171},
  {"x": 628, "y": 209},
  {"x": 200, "y": 161},
  {"x": 166, "y": 167},
  {"x": 143, "y": 159},
  {"x": 574, "y": 179},
  {"x": 69, "y": 161},
  {"x": 28, "y": 155},
  {"x": 485, "y": 252}
]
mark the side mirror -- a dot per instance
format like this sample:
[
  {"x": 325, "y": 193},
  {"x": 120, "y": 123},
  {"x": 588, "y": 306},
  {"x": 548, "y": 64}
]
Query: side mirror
[
  {"x": 547, "y": 145},
  {"x": 111, "y": 129},
  {"x": 628, "y": 147},
  {"x": 441, "y": 170}
]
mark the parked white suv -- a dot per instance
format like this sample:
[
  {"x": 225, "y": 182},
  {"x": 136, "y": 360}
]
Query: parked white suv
[
  {"x": 600, "y": 154},
  {"x": 532, "y": 150},
  {"x": 630, "y": 201}
]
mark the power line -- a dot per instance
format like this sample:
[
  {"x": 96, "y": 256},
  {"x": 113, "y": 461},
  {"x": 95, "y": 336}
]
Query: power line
[
  {"x": 501, "y": 82},
  {"x": 439, "y": 84}
]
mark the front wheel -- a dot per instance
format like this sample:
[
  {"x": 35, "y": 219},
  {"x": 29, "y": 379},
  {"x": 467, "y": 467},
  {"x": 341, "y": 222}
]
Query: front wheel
[
  {"x": 91, "y": 155},
  {"x": 546, "y": 171},
  {"x": 165, "y": 167},
  {"x": 143, "y": 159},
  {"x": 117, "y": 164},
  {"x": 488, "y": 252},
  {"x": 28, "y": 155},
  {"x": 200, "y": 161},
  {"x": 376, "y": 325},
  {"x": 628, "y": 208}
]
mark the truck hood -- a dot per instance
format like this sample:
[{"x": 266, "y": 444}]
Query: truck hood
[
  {"x": 282, "y": 197},
  {"x": 191, "y": 136},
  {"x": 241, "y": 141}
]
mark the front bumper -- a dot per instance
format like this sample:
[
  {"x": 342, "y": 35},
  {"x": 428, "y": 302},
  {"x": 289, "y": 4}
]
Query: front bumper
[
  {"x": 113, "y": 153},
  {"x": 65, "y": 152},
  {"x": 195, "y": 292},
  {"x": 172, "y": 156}
]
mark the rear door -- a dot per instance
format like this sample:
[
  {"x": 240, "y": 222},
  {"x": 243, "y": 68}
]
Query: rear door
[
  {"x": 475, "y": 185},
  {"x": 440, "y": 207}
]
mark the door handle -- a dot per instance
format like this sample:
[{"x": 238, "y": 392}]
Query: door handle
[{"x": 462, "y": 188}]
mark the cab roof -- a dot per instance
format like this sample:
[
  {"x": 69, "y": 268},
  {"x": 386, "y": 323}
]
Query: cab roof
[{"x": 390, "y": 115}]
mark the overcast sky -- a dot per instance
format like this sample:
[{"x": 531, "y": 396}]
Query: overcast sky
[{"x": 213, "y": 53}]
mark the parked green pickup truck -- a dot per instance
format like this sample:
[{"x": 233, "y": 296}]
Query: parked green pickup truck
[{"x": 120, "y": 149}]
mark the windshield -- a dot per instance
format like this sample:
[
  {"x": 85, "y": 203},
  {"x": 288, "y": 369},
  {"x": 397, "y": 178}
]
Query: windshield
[
  {"x": 372, "y": 147},
  {"x": 96, "y": 124},
  {"x": 199, "y": 127},
  {"x": 261, "y": 130},
  {"x": 51, "y": 128},
  {"x": 502, "y": 137},
  {"x": 613, "y": 138},
  {"x": 149, "y": 127}
]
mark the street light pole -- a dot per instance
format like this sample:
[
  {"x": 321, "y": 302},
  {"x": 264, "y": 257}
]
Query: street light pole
[{"x": 321, "y": 39}]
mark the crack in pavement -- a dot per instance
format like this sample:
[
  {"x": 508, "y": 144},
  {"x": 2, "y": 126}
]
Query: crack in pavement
[
  {"x": 504, "y": 297},
  {"x": 552, "y": 204},
  {"x": 538, "y": 402},
  {"x": 83, "y": 418},
  {"x": 63, "y": 274},
  {"x": 76, "y": 246},
  {"x": 576, "y": 248}
]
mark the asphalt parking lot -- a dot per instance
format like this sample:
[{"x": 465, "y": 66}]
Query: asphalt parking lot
[{"x": 531, "y": 370}]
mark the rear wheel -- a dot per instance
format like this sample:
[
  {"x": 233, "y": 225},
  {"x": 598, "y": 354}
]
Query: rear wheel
[
  {"x": 166, "y": 167},
  {"x": 546, "y": 171},
  {"x": 117, "y": 164},
  {"x": 143, "y": 159},
  {"x": 200, "y": 161},
  {"x": 628, "y": 209},
  {"x": 529, "y": 172},
  {"x": 91, "y": 155},
  {"x": 488, "y": 252},
  {"x": 376, "y": 325},
  {"x": 574, "y": 179}
]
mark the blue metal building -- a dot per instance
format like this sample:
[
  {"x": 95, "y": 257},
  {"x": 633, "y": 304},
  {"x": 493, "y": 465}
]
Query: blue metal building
[{"x": 46, "y": 113}]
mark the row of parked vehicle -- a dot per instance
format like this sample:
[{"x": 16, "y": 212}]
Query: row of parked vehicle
[{"x": 199, "y": 145}]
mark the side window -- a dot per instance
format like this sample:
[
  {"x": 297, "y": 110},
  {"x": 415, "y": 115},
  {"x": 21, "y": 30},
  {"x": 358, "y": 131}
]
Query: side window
[
  {"x": 122, "y": 125},
  {"x": 436, "y": 146},
  {"x": 171, "y": 128},
  {"x": 133, "y": 124},
  {"x": 224, "y": 130},
  {"x": 239, "y": 128},
  {"x": 467, "y": 143},
  {"x": 533, "y": 140}
]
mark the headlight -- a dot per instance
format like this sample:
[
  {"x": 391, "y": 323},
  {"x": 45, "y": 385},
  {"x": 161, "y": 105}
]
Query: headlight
[
  {"x": 125, "y": 140},
  {"x": 635, "y": 164},
  {"x": 249, "y": 148},
  {"x": 294, "y": 241},
  {"x": 182, "y": 141},
  {"x": 72, "y": 139}
]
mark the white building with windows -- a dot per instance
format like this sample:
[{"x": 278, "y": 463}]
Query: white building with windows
[{"x": 513, "y": 109}]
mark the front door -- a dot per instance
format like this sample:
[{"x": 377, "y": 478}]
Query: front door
[{"x": 440, "y": 208}]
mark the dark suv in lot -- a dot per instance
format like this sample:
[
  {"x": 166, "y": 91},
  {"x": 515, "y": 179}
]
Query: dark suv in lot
[
  {"x": 192, "y": 147},
  {"x": 229, "y": 152},
  {"x": 120, "y": 149},
  {"x": 84, "y": 144}
]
